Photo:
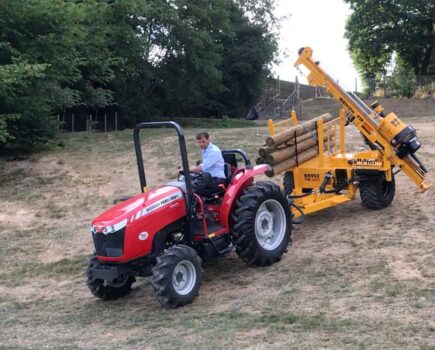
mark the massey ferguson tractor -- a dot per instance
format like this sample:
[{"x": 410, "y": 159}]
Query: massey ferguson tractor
[{"x": 168, "y": 231}]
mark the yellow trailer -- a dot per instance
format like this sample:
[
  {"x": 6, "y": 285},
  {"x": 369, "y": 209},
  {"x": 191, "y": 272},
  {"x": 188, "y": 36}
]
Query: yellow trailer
[{"x": 334, "y": 175}]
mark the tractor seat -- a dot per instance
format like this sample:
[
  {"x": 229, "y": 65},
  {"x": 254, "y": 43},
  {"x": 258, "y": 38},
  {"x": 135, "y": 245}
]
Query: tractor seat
[{"x": 221, "y": 191}]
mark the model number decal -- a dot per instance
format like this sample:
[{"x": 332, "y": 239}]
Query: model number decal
[
  {"x": 312, "y": 177},
  {"x": 150, "y": 208}
]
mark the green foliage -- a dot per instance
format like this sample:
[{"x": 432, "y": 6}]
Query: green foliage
[
  {"x": 403, "y": 81},
  {"x": 150, "y": 58},
  {"x": 377, "y": 29}
]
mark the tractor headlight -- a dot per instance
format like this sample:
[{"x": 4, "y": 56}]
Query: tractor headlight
[{"x": 109, "y": 229}]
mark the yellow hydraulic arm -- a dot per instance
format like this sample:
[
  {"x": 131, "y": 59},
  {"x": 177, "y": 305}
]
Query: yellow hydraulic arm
[{"x": 396, "y": 141}]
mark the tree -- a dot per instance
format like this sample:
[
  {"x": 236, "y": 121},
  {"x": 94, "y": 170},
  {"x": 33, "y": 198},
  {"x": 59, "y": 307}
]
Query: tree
[
  {"x": 151, "y": 58},
  {"x": 403, "y": 81},
  {"x": 55, "y": 55},
  {"x": 377, "y": 29},
  {"x": 247, "y": 53}
]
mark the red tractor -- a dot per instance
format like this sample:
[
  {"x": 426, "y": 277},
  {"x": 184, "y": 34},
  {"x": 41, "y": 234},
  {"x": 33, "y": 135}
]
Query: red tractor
[{"x": 168, "y": 231}]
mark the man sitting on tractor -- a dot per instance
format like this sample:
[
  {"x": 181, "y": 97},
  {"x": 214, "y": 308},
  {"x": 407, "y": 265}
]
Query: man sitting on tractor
[{"x": 212, "y": 163}]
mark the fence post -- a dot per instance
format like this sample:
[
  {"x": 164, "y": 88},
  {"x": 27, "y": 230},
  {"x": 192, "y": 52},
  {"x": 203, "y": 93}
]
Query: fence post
[
  {"x": 72, "y": 122},
  {"x": 105, "y": 122},
  {"x": 297, "y": 88},
  {"x": 116, "y": 121}
]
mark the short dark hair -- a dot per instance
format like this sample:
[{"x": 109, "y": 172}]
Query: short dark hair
[{"x": 202, "y": 134}]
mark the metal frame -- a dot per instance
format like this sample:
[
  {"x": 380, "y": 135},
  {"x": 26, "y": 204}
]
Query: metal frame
[
  {"x": 185, "y": 163},
  {"x": 241, "y": 153},
  {"x": 183, "y": 152}
]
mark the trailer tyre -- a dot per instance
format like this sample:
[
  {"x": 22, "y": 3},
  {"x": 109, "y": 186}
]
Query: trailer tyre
[
  {"x": 261, "y": 224},
  {"x": 177, "y": 276},
  {"x": 101, "y": 289},
  {"x": 376, "y": 193},
  {"x": 288, "y": 183}
]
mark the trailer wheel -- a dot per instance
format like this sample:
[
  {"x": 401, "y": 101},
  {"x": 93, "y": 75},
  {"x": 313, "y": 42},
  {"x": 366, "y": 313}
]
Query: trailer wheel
[
  {"x": 261, "y": 224},
  {"x": 101, "y": 289},
  {"x": 376, "y": 193},
  {"x": 288, "y": 183},
  {"x": 177, "y": 276}
]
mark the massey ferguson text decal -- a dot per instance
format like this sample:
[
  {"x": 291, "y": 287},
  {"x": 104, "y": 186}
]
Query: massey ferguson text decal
[{"x": 148, "y": 209}]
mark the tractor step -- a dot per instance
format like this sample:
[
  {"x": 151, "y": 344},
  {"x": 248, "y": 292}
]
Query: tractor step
[
  {"x": 221, "y": 245},
  {"x": 212, "y": 227}
]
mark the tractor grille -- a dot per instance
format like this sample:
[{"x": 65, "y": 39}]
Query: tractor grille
[{"x": 111, "y": 245}]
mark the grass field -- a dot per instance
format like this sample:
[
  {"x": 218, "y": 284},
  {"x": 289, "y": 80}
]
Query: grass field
[{"x": 353, "y": 278}]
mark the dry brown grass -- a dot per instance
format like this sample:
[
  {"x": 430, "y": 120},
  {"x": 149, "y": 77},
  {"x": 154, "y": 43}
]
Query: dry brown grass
[{"x": 353, "y": 278}]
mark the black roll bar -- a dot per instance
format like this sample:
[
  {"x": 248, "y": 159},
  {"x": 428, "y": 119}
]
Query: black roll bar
[
  {"x": 241, "y": 153},
  {"x": 183, "y": 151}
]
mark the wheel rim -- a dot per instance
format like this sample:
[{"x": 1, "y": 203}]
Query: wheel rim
[
  {"x": 120, "y": 281},
  {"x": 270, "y": 224},
  {"x": 184, "y": 277}
]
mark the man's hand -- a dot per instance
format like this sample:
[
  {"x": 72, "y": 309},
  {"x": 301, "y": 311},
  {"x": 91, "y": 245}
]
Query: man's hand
[{"x": 196, "y": 169}]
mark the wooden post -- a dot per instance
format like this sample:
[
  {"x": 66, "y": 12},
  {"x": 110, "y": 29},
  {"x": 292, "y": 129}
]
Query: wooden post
[
  {"x": 58, "y": 123},
  {"x": 116, "y": 121},
  {"x": 72, "y": 122},
  {"x": 105, "y": 122}
]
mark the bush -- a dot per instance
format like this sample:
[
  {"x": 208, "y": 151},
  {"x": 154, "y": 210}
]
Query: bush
[{"x": 31, "y": 129}]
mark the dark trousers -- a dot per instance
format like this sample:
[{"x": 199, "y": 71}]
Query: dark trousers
[{"x": 207, "y": 191}]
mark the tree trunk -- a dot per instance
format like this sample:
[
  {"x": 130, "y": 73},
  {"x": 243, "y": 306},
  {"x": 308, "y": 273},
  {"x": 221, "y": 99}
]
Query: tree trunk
[{"x": 426, "y": 61}]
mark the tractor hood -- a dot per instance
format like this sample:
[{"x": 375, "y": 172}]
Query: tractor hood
[{"x": 135, "y": 208}]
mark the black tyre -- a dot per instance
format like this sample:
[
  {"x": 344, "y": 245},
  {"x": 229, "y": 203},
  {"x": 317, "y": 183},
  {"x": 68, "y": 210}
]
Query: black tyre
[
  {"x": 177, "y": 276},
  {"x": 101, "y": 289},
  {"x": 376, "y": 193},
  {"x": 288, "y": 183},
  {"x": 261, "y": 224}
]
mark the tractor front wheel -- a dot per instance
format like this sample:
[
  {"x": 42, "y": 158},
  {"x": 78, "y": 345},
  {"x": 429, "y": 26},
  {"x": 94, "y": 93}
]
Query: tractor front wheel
[
  {"x": 102, "y": 289},
  {"x": 261, "y": 224},
  {"x": 177, "y": 276}
]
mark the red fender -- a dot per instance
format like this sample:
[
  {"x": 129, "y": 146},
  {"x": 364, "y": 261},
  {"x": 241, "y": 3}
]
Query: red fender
[{"x": 242, "y": 179}]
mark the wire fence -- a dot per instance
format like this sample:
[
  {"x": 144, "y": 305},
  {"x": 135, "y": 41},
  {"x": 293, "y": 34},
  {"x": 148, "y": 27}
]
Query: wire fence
[{"x": 76, "y": 122}]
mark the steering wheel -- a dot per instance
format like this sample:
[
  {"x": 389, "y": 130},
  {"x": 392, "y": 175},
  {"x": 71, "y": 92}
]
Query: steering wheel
[{"x": 193, "y": 176}]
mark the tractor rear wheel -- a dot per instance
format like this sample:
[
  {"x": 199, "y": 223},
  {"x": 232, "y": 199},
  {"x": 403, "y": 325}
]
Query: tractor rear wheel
[
  {"x": 102, "y": 289},
  {"x": 261, "y": 224},
  {"x": 177, "y": 276},
  {"x": 376, "y": 192}
]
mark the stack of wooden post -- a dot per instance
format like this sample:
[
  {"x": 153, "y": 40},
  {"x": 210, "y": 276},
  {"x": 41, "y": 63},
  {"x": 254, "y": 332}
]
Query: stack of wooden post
[{"x": 292, "y": 146}]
